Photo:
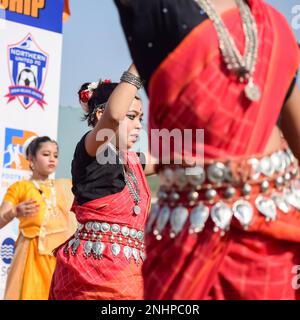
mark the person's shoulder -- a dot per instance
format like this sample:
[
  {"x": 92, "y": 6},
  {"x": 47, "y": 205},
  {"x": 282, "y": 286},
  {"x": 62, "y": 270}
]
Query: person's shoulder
[
  {"x": 20, "y": 184},
  {"x": 19, "y": 187},
  {"x": 81, "y": 142},
  {"x": 80, "y": 150}
]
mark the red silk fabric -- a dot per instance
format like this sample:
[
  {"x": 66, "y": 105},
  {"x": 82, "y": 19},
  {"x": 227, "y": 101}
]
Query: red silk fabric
[{"x": 190, "y": 90}]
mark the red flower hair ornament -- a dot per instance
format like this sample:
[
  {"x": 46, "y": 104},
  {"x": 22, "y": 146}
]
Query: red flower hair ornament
[{"x": 85, "y": 95}]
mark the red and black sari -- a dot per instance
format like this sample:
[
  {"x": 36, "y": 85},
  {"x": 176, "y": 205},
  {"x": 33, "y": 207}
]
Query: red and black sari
[{"x": 81, "y": 273}]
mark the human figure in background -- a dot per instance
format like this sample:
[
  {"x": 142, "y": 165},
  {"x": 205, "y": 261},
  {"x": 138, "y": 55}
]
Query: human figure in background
[{"x": 42, "y": 206}]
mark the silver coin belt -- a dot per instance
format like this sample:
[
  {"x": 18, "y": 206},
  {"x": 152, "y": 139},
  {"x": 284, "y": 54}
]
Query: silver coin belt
[
  {"x": 189, "y": 197},
  {"x": 98, "y": 238}
]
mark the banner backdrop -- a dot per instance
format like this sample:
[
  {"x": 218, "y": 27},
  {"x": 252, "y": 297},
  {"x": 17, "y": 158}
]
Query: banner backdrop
[{"x": 30, "y": 62}]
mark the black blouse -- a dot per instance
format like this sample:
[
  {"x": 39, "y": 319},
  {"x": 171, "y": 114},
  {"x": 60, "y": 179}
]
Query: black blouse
[
  {"x": 92, "y": 180},
  {"x": 154, "y": 28}
]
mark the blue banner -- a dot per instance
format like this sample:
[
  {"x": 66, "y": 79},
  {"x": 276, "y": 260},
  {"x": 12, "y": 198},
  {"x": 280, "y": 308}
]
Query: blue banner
[{"x": 43, "y": 14}]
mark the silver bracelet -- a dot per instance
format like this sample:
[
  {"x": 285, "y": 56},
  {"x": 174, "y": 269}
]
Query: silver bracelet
[{"x": 132, "y": 79}]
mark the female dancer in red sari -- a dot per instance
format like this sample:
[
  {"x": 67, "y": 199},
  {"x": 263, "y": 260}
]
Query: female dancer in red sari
[
  {"x": 231, "y": 230},
  {"x": 104, "y": 257}
]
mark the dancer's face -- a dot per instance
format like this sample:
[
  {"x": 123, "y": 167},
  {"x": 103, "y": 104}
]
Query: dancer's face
[
  {"x": 46, "y": 159},
  {"x": 131, "y": 126}
]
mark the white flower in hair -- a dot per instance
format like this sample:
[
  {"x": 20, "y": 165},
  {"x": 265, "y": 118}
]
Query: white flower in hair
[
  {"x": 26, "y": 145},
  {"x": 93, "y": 86},
  {"x": 86, "y": 94}
]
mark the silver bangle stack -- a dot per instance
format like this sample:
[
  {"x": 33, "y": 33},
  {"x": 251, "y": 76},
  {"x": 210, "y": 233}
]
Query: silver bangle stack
[{"x": 132, "y": 79}]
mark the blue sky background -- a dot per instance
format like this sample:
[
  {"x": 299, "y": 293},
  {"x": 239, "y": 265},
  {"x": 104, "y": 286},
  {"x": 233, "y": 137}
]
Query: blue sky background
[{"x": 93, "y": 48}]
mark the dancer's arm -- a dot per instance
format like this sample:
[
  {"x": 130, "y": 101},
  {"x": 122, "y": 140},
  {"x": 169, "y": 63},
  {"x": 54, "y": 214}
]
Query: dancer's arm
[
  {"x": 7, "y": 213},
  {"x": 115, "y": 111},
  {"x": 291, "y": 121}
]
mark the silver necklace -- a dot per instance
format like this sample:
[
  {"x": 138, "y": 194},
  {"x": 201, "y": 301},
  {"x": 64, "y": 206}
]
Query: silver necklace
[
  {"x": 242, "y": 66},
  {"x": 131, "y": 181}
]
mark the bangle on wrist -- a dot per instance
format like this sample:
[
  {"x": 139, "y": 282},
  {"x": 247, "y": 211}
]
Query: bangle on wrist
[{"x": 132, "y": 79}]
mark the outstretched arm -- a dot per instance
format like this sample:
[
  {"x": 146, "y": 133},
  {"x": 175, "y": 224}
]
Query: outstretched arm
[
  {"x": 115, "y": 111},
  {"x": 7, "y": 213}
]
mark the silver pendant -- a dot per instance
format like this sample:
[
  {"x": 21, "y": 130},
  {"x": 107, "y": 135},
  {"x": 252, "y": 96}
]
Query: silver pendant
[
  {"x": 162, "y": 195},
  {"x": 252, "y": 91},
  {"x": 281, "y": 203},
  {"x": 105, "y": 227},
  {"x": 87, "y": 248},
  {"x": 137, "y": 210},
  {"x": 143, "y": 255},
  {"x": 210, "y": 194},
  {"x": 177, "y": 220},
  {"x": 292, "y": 198},
  {"x": 88, "y": 226},
  {"x": 266, "y": 207},
  {"x": 196, "y": 175},
  {"x": 75, "y": 246},
  {"x": 243, "y": 212},
  {"x": 136, "y": 255},
  {"x": 290, "y": 155},
  {"x": 96, "y": 226},
  {"x": 125, "y": 231},
  {"x": 276, "y": 161},
  {"x": 221, "y": 215},
  {"x": 229, "y": 192},
  {"x": 198, "y": 218},
  {"x": 174, "y": 197},
  {"x": 98, "y": 249},
  {"x": 279, "y": 182},
  {"x": 127, "y": 252},
  {"x": 167, "y": 177},
  {"x": 266, "y": 166},
  {"x": 282, "y": 166},
  {"x": 80, "y": 226},
  {"x": 115, "y": 229},
  {"x": 216, "y": 172},
  {"x": 69, "y": 245},
  {"x": 140, "y": 236},
  {"x": 255, "y": 170},
  {"x": 181, "y": 178},
  {"x": 152, "y": 216},
  {"x": 162, "y": 220},
  {"x": 287, "y": 159},
  {"x": 246, "y": 189},
  {"x": 133, "y": 233},
  {"x": 193, "y": 196},
  {"x": 115, "y": 249}
]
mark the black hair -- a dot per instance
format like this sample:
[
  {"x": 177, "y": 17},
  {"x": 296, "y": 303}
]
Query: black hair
[
  {"x": 36, "y": 144},
  {"x": 100, "y": 96}
]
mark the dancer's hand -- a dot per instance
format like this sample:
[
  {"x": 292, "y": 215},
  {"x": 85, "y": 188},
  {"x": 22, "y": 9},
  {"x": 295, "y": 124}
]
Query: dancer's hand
[{"x": 27, "y": 208}]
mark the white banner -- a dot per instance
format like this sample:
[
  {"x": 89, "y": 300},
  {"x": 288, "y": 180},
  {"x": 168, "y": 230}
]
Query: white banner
[{"x": 30, "y": 62}]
